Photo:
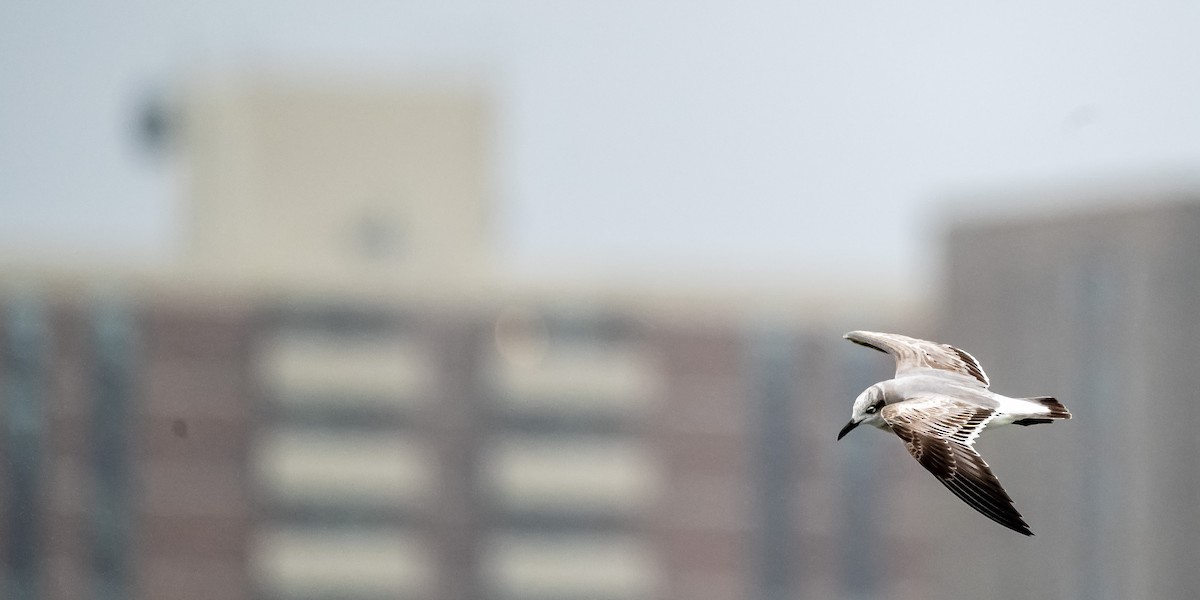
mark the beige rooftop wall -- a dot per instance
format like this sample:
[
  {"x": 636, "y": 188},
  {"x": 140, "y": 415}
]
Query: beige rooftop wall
[{"x": 310, "y": 182}]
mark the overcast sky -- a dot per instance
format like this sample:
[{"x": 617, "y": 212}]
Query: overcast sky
[{"x": 812, "y": 141}]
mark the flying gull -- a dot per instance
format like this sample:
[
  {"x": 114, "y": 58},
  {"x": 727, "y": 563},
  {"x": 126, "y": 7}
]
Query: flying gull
[{"x": 939, "y": 403}]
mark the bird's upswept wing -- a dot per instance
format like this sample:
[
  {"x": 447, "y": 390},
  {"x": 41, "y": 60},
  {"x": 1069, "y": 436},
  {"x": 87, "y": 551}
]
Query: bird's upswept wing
[
  {"x": 914, "y": 356},
  {"x": 940, "y": 431}
]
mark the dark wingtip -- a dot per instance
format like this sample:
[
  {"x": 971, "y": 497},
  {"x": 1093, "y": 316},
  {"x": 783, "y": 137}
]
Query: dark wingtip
[
  {"x": 1019, "y": 526},
  {"x": 849, "y": 336}
]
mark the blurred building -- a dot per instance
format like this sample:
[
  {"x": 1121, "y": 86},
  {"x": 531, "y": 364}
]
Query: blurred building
[
  {"x": 1099, "y": 309},
  {"x": 334, "y": 395}
]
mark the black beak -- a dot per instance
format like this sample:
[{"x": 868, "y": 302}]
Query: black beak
[{"x": 849, "y": 426}]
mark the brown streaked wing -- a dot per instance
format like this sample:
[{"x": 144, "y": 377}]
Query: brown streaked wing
[
  {"x": 914, "y": 355},
  {"x": 939, "y": 432}
]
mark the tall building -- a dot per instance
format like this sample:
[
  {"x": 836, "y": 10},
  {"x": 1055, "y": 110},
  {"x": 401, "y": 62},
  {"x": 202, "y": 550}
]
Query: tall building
[
  {"x": 1098, "y": 309},
  {"x": 335, "y": 396},
  {"x": 253, "y": 447}
]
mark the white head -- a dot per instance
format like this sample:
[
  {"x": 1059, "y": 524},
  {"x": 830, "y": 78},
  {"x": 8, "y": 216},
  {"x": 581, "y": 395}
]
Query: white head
[{"x": 866, "y": 410}]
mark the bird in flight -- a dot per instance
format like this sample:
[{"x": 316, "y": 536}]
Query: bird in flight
[{"x": 939, "y": 403}]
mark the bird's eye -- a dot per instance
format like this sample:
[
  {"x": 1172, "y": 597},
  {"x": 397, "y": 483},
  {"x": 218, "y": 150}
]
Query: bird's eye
[{"x": 871, "y": 409}]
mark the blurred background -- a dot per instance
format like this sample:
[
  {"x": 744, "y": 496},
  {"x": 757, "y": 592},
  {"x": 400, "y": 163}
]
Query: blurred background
[{"x": 525, "y": 300}]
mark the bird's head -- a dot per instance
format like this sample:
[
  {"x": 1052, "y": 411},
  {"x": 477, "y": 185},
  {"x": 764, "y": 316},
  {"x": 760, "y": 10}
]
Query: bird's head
[{"x": 865, "y": 410}]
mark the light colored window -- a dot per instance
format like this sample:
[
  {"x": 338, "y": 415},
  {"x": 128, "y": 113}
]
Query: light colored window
[
  {"x": 299, "y": 367},
  {"x": 578, "y": 379},
  {"x": 376, "y": 469},
  {"x": 577, "y": 474},
  {"x": 577, "y": 566},
  {"x": 305, "y": 563}
]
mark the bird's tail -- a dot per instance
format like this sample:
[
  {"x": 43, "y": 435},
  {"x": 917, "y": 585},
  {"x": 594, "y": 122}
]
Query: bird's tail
[{"x": 1055, "y": 411}]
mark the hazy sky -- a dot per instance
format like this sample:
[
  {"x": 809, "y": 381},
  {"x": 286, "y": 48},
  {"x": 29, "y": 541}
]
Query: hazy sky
[{"x": 807, "y": 141}]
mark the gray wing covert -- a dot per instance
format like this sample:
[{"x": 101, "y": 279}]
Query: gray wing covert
[{"x": 914, "y": 355}]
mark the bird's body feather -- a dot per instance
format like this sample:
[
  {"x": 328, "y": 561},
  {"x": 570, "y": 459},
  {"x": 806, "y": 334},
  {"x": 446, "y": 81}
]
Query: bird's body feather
[{"x": 939, "y": 403}]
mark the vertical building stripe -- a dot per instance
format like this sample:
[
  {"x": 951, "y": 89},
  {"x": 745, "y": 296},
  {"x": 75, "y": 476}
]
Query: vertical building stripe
[
  {"x": 1097, "y": 298},
  {"x": 25, "y": 352},
  {"x": 113, "y": 345},
  {"x": 772, "y": 357}
]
